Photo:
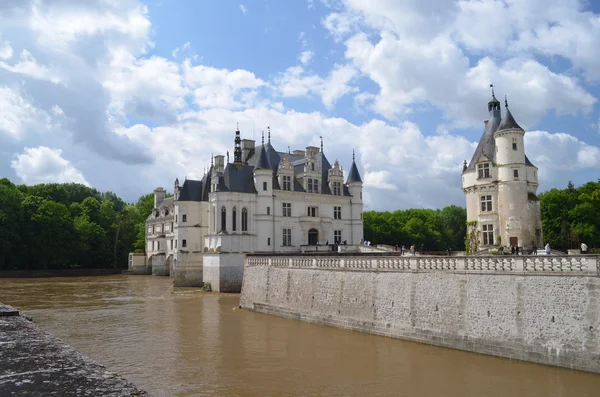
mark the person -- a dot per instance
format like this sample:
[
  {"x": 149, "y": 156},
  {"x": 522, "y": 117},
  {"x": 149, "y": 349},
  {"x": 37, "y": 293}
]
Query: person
[
  {"x": 345, "y": 242},
  {"x": 402, "y": 250},
  {"x": 449, "y": 252},
  {"x": 412, "y": 250},
  {"x": 512, "y": 249},
  {"x": 396, "y": 248},
  {"x": 584, "y": 248},
  {"x": 534, "y": 249},
  {"x": 547, "y": 248},
  {"x": 517, "y": 250}
]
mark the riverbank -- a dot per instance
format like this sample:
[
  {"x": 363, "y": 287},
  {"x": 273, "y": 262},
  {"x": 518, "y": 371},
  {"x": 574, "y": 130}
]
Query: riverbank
[
  {"x": 35, "y": 362},
  {"x": 59, "y": 273}
]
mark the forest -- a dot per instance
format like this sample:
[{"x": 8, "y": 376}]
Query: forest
[{"x": 56, "y": 226}]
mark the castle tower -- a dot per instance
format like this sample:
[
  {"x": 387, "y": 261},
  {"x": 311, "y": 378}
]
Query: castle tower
[
  {"x": 519, "y": 212},
  {"x": 500, "y": 185},
  {"x": 355, "y": 187}
]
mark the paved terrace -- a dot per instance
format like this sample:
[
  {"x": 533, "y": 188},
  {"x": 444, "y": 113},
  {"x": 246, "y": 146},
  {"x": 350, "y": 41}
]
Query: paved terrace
[{"x": 35, "y": 363}]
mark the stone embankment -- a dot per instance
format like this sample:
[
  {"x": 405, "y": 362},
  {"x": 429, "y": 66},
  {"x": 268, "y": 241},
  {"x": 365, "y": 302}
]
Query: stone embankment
[
  {"x": 543, "y": 309},
  {"x": 35, "y": 363}
]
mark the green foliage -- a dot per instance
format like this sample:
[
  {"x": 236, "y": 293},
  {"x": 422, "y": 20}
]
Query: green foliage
[
  {"x": 571, "y": 216},
  {"x": 52, "y": 226},
  {"x": 434, "y": 230}
]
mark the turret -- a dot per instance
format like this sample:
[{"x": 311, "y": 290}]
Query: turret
[
  {"x": 159, "y": 196},
  {"x": 263, "y": 174},
  {"x": 354, "y": 182},
  {"x": 237, "y": 151},
  {"x": 509, "y": 141},
  {"x": 176, "y": 190}
]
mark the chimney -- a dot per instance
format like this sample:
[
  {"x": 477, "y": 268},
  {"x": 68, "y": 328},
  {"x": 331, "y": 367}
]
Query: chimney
[
  {"x": 247, "y": 147},
  {"x": 219, "y": 163},
  {"x": 159, "y": 196},
  {"x": 176, "y": 190},
  {"x": 300, "y": 153}
]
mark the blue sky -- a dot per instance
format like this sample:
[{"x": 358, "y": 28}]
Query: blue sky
[{"x": 126, "y": 96}]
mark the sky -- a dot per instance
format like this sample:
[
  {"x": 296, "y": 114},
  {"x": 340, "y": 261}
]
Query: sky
[{"x": 127, "y": 95}]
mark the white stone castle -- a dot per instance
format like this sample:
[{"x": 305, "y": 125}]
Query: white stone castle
[
  {"x": 264, "y": 201},
  {"x": 500, "y": 184}
]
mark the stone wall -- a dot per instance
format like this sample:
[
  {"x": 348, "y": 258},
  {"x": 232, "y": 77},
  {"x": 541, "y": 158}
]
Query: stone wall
[{"x": 542, "y": 309}]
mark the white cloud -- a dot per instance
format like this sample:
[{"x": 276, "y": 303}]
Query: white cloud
[
  {"x": 184, "y": 48},
  {"x": 214, "y": 87},
  {"x": 305, "y": 57},
  {"x": 17, "y": 115},
  {"x": 28, "y": 66},
  {"x": 243, "y": 9},
  {"x": 560, "y": 151},
  {"x": 45, "y": 165},
  {"x": 6, "y": 51},
  {"x": 296, "y": 82}
]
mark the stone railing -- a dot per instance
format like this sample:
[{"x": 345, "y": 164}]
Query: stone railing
[{"x": 565, "y": 265}]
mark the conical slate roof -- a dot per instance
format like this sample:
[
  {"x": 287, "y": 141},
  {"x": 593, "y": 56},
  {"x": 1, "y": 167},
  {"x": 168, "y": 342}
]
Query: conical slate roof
[
  {"x": 487, "y": 144},
  {"x": 262, "y": 163},
  {"x": 508, "y": 122},
  {"x": 354, "y": 175}
]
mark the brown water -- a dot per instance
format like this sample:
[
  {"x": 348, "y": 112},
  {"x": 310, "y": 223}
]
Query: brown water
[{"x": 180, "y": 342}]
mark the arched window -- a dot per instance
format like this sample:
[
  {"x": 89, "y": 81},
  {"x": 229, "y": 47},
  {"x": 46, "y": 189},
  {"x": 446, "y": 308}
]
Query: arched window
[
  {"x": 223, "y": 218},
  {"x": 234, "y": 219},
  {"x": 244, "y": 219}
]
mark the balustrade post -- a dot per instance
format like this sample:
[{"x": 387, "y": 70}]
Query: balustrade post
[
  {"x": 374, "y": 263},
  {"x": 519, "y": 263},
  {"x": 314, "y": 262},
  {"x": 290, "y": 262},
  {"x": 414, "y": 264},
  {"x": 592, "y": 265},
  {"x": 461, "y": 262},
  {"x": 270, "y": 262},
  {"x": 342, "y": 262}
]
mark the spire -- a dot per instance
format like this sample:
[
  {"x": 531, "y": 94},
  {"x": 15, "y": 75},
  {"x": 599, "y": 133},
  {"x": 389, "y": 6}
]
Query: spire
[
  {"x": 269, "y": 131},
  {"x": 321, "y": 143},
  {"x": 263, "y": 138},
  {"x": 228, "y": 157},
  {"x": 464, "y": 165},
  {"x": 353, "y": 175},
  {"x": 262, "y": 163},
  {"x": 211, "y": 160},
  {"x": 237, "y": 150},
  {"x": 492, "y": 87},
  {"x": 508, "y": 122}
]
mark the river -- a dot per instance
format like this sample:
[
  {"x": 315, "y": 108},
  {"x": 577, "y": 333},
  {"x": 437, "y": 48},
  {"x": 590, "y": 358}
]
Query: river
[{"x": 182, "y": 342}]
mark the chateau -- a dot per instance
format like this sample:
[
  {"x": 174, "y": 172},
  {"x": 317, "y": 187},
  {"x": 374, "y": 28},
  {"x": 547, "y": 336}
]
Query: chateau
[
  {"x": 264, "y": 201},
  {"x": 500, "y": 184}
]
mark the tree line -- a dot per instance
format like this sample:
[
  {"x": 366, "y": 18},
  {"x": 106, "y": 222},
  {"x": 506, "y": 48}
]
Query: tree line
[
  {"x": 54, "y": 226},
  {"x": 571, "y": 216}
]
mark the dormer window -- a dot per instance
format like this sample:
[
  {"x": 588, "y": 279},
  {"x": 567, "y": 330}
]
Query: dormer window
[
  {"x": 337, "y": 188},
  {"x": 312, "y": 185},
  {"x": 483, "y": 170},
  {"x": 312, "y": 166},
  {"x": 287, "y": 182}
]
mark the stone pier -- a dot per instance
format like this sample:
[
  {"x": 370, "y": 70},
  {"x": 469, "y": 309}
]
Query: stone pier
[{"x": 35, "y": 363}]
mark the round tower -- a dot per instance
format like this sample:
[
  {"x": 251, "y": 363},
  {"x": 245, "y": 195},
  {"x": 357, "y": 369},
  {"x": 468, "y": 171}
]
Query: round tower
[
  {"x": 355, "y": 187},
  {"x": 518, "y": 208}
]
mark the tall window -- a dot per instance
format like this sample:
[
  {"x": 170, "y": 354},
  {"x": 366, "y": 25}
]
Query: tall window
[
  {"x": 183, "y": 243},
  {"x": 265, "y": 186},
  {"x": 516, "y": 173},
  {"x": 244, "y": 219},
  {"x": 309, "y": 185},
  {"x": 488, "y": 234},
  {"x": 158, "y": 245},
  {"x": 315, "y": 186},
  {"x": 171, "y": 244},
  {"x": 223, "y": 218},
  {"x": 153, "y": 246},
  {"x": 486, "y": 203},
  {"x": 268, "y": 210},
  {"x": 337, "y": 212},
  {"x": 287, "y": 182},
  {"x": 163, "y": 228},
  {"x": 337, "y": 188},
  {"x": 287, "y": 237},
  {"x": 312, "y": 211},
  {"x": 172, "y": 226},
  {"x": 337, "y": 236},
  {"x": 184, "y": 218},
  {"x": 483, "y": 170},
  {"x": 286, "y": 209},
  {"x": 234, "y": 219},
  {"x": 514, "y": 142}
]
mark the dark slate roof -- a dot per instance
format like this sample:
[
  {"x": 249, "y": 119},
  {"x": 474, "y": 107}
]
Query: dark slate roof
[
  {"x": 191, "y": 191},
  {"x": 262, "y": 161},
  {"x": 508, "y": 122},
  {"x": 527, "y": 162},
  {"x": 238, "y": 178},
  {"x": 487, "y": 145},
  {"x": 353, "y": 175},
  {"x": 166, "y": 202}
]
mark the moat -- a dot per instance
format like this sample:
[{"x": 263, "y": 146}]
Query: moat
[{"x": 181, "y": 342}]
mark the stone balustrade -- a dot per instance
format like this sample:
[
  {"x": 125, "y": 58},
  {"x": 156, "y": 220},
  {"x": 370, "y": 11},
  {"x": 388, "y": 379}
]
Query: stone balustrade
[{"x": 537, "y": 264}]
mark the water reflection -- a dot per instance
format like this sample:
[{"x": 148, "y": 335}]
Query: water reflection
[{"x": 177, "y": 342}]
